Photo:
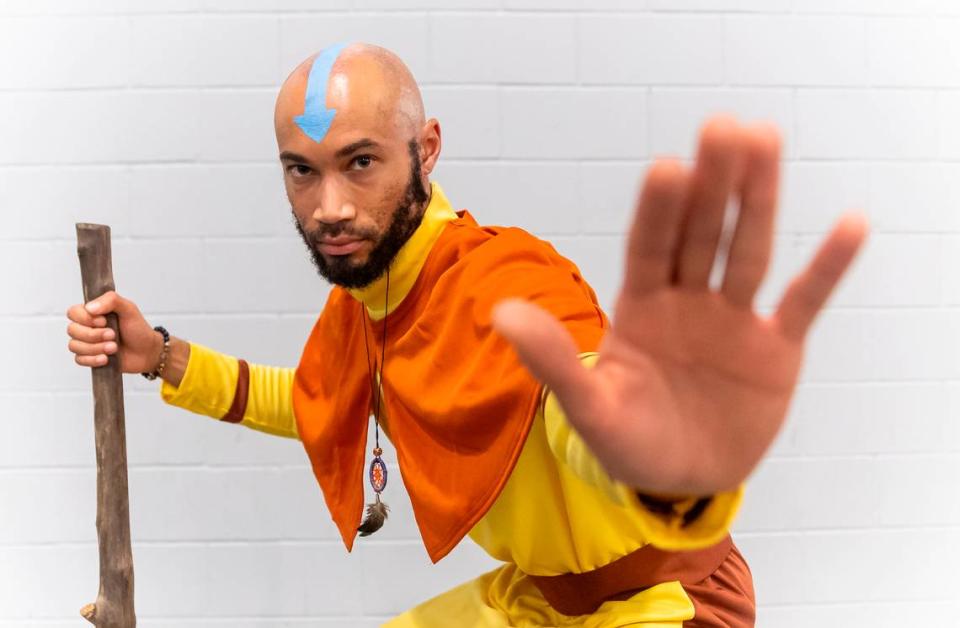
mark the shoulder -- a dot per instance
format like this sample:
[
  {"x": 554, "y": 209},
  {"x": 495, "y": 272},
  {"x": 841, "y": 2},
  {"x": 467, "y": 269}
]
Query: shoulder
[
  {"x": 486, "y": 250},
  {"x": 482, "y": 265}
]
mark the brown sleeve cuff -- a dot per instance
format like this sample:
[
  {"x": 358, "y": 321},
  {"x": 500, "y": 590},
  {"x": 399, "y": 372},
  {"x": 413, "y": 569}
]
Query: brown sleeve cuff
[{"x": 239, "y": 405}]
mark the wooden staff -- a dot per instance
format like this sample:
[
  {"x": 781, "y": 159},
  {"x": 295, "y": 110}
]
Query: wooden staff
[{"x": 114, "y": 605}]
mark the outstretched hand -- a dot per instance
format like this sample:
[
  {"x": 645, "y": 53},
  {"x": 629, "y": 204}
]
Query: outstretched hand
[{"x": 691, "y": 384}]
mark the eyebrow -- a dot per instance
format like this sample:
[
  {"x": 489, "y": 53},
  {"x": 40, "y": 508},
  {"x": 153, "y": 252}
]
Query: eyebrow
[
  {"x": 291, "y": 156},
  {"x": 343, "y": 152},
  {"x": 355, "y": 146}
]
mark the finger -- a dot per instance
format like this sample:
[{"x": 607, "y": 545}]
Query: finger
[
  {"x": 714, "y": 177},
  {"x": 808, "y": 292},
  {"x": 78, "y": 314},
  {"x": 90, "y": 360},
  {"x": 547, "y": 350},
  {"x": 92, "y": 348},
  {"x": 89, "y": 334},
  {"x": 749, "y": 254},
  {"x": 652, "y": 243}
]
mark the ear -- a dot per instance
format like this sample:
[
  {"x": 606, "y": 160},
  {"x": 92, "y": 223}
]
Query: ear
[{"x": 429, "y": 145}]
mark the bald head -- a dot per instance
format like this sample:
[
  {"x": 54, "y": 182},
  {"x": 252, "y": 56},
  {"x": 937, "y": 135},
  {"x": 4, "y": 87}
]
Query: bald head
[{"x": 366, "y": 86}]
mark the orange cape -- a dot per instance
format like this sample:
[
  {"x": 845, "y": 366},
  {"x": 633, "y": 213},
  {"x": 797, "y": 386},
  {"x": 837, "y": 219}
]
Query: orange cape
[{"x": 457, "y": 400}]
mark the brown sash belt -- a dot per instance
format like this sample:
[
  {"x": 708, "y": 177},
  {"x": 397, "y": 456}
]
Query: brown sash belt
[{"x": 583, "y": 593}]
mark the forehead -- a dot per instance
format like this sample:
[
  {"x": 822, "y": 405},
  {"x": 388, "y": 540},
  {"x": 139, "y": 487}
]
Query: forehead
[{"x": 364, "y": 107}]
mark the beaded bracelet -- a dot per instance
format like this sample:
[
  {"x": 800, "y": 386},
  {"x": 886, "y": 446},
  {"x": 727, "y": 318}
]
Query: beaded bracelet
[{"x": 163, "y": 354}]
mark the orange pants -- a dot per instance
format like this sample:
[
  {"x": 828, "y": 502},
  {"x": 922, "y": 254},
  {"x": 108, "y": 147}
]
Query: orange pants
[{"x": 725, "y": 598}]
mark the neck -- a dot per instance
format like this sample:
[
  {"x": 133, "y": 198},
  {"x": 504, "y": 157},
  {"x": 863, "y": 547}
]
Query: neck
[{"x": 406, "y": 266}]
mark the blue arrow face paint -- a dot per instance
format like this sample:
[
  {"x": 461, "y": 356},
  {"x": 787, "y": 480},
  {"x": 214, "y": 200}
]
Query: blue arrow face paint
[{"x": 316, "y": 118}]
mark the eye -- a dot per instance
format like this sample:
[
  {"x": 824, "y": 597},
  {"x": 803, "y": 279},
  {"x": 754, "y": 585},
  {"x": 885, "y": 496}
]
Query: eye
[
  {"x": 361, "y": 162},
  {"x": 298, "y": 170}
]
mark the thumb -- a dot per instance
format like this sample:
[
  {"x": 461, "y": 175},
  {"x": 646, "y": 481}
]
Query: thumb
[
  {"x": 107, "y": 302},
  {"x": 547, "y": 350}
]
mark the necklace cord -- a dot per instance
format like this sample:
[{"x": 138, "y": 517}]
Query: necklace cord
[
  {"x": 383, "y": 355},
  {"x": 376, "y": 385}
]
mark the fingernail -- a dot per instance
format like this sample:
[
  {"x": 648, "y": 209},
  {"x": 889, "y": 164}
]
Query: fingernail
[
  {"x": 110, "y": 347},
  {"x": 108, "y": 335},
  {"x": 93, "y": 306}
]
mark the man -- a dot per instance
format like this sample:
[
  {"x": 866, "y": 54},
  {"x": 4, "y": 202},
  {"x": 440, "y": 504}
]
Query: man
[{"x": 606, "y": 472}]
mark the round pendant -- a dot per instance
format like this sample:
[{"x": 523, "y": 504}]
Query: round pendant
[{"x": 378, "y": 474}]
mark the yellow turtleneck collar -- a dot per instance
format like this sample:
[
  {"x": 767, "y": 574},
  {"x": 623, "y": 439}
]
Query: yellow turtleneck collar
[{"x": 406, "y": 266}]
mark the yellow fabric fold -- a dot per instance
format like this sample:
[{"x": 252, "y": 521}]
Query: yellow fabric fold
[
  {"x": 506, "y": 597},
  {"x": 270, "y": 402}
]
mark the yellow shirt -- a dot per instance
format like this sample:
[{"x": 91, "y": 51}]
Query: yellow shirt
[{"x": 559, "y": 512}]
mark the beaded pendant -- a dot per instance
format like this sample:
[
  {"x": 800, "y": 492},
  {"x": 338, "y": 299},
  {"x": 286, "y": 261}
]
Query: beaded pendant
[
  {"x": 377, "y": 511},
  {"x": 378, "y": 472}
]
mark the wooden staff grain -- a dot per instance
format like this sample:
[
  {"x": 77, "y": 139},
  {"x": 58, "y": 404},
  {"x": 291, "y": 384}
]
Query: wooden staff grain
[{"x": 114, "y": 605}]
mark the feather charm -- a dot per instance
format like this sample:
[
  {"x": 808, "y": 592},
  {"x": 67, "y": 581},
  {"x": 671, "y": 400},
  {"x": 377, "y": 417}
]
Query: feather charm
[{"x": 376, "y": 515}]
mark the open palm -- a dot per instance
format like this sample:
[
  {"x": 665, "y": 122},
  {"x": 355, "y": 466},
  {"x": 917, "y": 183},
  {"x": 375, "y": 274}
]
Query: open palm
[{"x": 691, "y": 384}]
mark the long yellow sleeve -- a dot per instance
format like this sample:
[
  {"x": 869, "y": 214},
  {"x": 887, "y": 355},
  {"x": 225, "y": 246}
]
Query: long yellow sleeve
[
  {"x": 687, "y": 523},
  {"x": 210, "y": 382}
]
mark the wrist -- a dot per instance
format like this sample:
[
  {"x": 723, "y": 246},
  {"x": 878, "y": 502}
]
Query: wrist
[
  {"x": 157, "y": 351},
  {"x": 161, "y": 362},
  {"x": 176, "y": 361}
]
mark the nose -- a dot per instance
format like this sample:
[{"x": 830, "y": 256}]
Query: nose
[{"x": 333, "y": 206}]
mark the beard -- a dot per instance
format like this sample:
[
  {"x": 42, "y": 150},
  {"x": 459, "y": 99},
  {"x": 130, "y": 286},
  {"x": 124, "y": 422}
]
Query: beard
[{"x": 404, "y": 221}]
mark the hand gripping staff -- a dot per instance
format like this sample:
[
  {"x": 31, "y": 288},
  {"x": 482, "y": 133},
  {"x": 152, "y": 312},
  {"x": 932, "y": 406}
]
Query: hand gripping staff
[{"x": 114, "y": 605}]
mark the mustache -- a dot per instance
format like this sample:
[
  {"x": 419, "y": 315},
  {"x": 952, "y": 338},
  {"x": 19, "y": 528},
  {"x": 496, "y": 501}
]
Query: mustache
[{"x": 338, "y": 229}]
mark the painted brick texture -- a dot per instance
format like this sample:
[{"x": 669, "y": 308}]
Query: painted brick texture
[{"x": 155, "y": 117}]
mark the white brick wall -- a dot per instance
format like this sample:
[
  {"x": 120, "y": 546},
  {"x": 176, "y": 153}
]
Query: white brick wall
[{"x": 155, "y": 117}]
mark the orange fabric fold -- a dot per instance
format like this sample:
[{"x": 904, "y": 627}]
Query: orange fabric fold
[{"x": 458, "y": 400}]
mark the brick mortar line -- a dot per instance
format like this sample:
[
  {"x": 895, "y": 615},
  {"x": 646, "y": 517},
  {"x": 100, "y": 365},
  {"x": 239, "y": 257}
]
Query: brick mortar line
[
  {"x": 140, "y": 392},
  {"x": 572, "y": 86},
  {"x": 333, "y": 542},
  {"x": 220, "y": 542},
  {"x": 58, "y": 619},
  {"x": 641, "y": 160},
  {"x": 882, "y": 456},
  {"x": 478, "y": 160},
  {"x": 845, "y": 531},
  {"x": 239, "y": 314},
  {"x": 692, "y": 13}
]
